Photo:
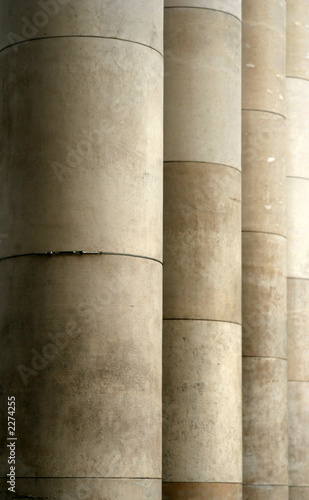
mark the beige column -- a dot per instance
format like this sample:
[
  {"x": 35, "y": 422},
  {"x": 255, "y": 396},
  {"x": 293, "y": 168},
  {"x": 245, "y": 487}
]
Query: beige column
[
  {"x": 265, "y": 463},
  {"x": 202, "y": 274},
  {"x": 298, "y": 245},
  {"x": 81, "y": 170}
]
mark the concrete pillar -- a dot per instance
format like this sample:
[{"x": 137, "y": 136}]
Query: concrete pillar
[
  {"x": 265, "y": 464},
  {"x": 298, "y": 245},
  {"x": 81, "y": 170},
  {"x": 202, "y": 273}
]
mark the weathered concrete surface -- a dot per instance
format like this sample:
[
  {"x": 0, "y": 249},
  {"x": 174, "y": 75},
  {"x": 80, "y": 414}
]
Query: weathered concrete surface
[
  {"x": 202, "y": 119},
  {"x": 202, "y": 252},
  {"x": 82, "y": 147},
  {"x": 199, "y": 491},
  {"x": 265, "y": 455},
  {"x": 225, "y": 6},
  {"x": 298, "y": 245},
  {"x": 136, "y": 21},
  {"x": 298, "y": 328},
  {"x": 95, "y": 395},
  {"x": 88, "y": 489},
  {"x": 258, "y": 492},
  {"x": 299, "y": 493},
  {"x": 297, "y": 38},
  {"x": 264, "y": 295},
  {"x": 298, "y": 394},
  {"x": 263, "y": 55},
  {"x": 297, "y": 123},
  {"x": 202, "y": 401},
  {"x": 202, "y": 267},
  {"x": 265, "y": 421},
  {"x": 263, "y": 173},
  {"x": 297, "y": 224}
]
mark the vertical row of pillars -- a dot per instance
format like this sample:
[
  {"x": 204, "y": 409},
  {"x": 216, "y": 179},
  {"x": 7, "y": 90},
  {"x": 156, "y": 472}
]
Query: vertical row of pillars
[{"x": 81, "y": 117}]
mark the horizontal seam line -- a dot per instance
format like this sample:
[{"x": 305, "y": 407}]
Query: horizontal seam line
[
  {"x": 295, "y": 380},
  {"x": 300, "y": 486},
  {"x": 200, "y": 319},
  {"x": 80, "y": 36},
  {"x": 297, "y": 278},
  {"x": 203, "y": 8},
  {"x": 297, "y": 177},
  {"x": 263, "y": 232},
  {"x": 200, "y": 482},
  {"x": 203, "y": 162},
  {"x": 264, "y": 111},
  {"x": 83, "y": 477},
  {"x": 78, "y": 254},
  {"x": 264, "y": 484},
  {"x": 264, "y": 357},
  {"x": 298, "y": 78}
]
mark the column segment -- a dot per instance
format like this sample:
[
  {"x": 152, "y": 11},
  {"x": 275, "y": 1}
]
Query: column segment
[
  {"x": 202, "y": 272},
  {"x": 81, "y": 170},
  {"x": 265, "y": 470},
  {"x": 298, "y": 245}
]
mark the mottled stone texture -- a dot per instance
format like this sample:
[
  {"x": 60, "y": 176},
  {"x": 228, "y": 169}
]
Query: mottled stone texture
[
  {"x": 85, "y": 489},
  {"x": 265, "y": 441},
  {"x": 298, "y": 245},
  {"x": 202, "y": 445},
  {"x": 201, "y": 491},
  {"x": 81, "y": 169}
]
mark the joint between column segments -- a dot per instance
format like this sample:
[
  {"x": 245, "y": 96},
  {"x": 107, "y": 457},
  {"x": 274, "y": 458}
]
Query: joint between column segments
[
  {"x": 297, "y": 177},
  {"x": 77, "y": 253},
  {"x": 203, "y": 8},
  {"x": 203, "y": 319},
  {"x": 57, "y": 37},
  {"x": 199, "y": 162},
  {"x": 298, "y": 78},
  {"x": 264, "y": 111},
  {"x": 264, "y": 232},
  {"x": 263, "y": 357},
  {"x": 88, "y": 477}
]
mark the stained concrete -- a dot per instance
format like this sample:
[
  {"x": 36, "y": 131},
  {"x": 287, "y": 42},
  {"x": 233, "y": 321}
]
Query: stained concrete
[
  {"x": 264, "y": 295},
  {"x": 265, "y": 440},
  {"x": 205, "y": 44},
  {"x": 81, "y": 170},
  {"x": 85, "y": 488},
  {"x": 202, "y": 401},
  {"x": 202, "y": 237},
  {"x": 258, "y": 492},
  {"x": 263, "y": 55},
  {"x": 265, "y": 421},
  {"x": 202, "y": 254},
  {"x": 298, "y": 328},
  {"x": 297, "y": 123},
  {"x": 298, "y": 393},
  {"x": 232, "y": 7},
  {"x": 89, "y": 329},
  {"x": 297, "y": 225},
  {"x": 199, "y": 491},
  {"x": 263, "y": 173},
  {"x": 297, "y": 38},
  {"x": 136, "y": 21}
]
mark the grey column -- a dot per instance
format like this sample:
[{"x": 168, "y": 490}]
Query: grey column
[
  {"x": 298, "y": 245},
  {"x": 81, "y": 170},
  {"x": 265, "y": 462},
  {"x": 202, "y": 449}
]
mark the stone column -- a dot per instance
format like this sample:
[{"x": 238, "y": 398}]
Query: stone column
[
  {"x": 81, "y": 170},
  {"x": 298, "y": 245},
  {"x": 265, "y": 464},
  {"x": 202, "y": 230}
]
